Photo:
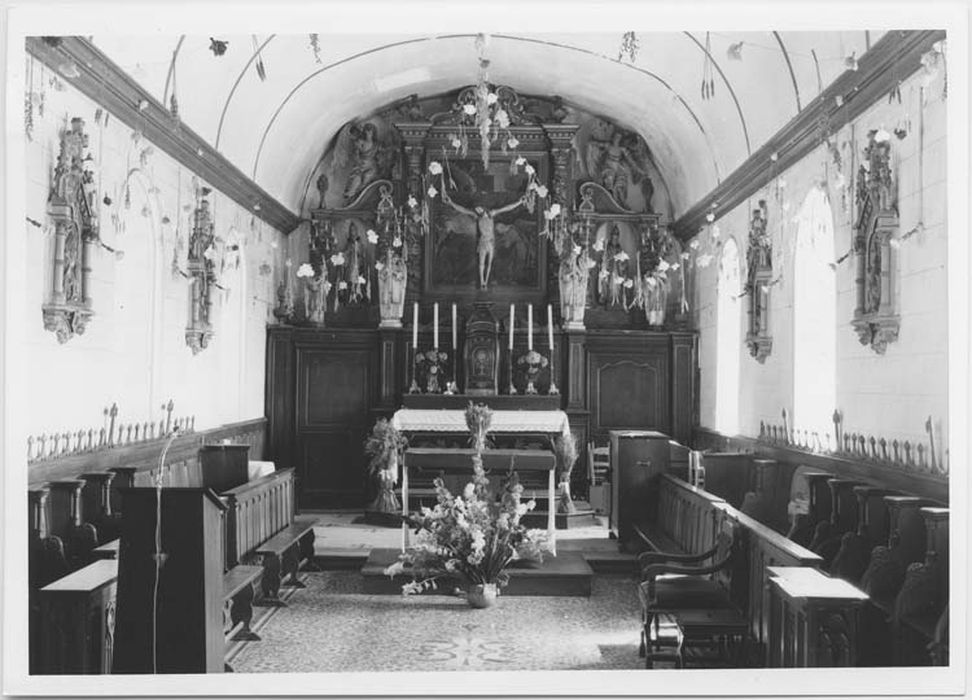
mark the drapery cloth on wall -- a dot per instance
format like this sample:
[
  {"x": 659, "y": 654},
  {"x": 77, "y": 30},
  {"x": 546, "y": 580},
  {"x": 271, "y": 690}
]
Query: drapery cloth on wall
[{"x": 454, "y": 421}]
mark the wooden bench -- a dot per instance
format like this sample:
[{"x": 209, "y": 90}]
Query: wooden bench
[
  {"x": 679, "y": 518},
  {"x": 78, "y": 616},
  {"x": 282, "y": 556}
]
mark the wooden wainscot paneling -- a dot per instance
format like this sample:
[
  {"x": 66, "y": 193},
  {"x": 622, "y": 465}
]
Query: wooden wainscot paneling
[
  {"x": 684, "y": 349},
  {"x": 628, "y": 381}
]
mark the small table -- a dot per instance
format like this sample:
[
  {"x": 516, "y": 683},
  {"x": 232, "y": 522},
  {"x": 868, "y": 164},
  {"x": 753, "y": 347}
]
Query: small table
[
  {"x": 460, "y": 461},
  {"x": 813, "y": 618}
]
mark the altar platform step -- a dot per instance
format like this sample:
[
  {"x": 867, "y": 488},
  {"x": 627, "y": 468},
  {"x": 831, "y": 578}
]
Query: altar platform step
[{"x": 567, "y": 574}]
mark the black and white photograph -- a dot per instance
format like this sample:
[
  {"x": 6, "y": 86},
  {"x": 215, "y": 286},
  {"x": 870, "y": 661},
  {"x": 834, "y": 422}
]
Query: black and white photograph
[{"x": 445, "y": 349}]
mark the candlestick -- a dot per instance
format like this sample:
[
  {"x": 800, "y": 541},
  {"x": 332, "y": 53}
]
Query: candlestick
[
  {"x": 512, "y": 321},
  {"x": 415, "y": 326},
  {"x": 530, "y": 327},
  {"x": 454, "y": 346},
  {"x": 550, "y": 327},
  {"x": 435, "y": 327}
]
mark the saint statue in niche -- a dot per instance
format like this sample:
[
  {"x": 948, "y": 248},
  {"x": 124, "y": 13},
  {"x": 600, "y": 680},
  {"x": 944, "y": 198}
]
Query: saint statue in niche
[{"x": 354, "y": 264}]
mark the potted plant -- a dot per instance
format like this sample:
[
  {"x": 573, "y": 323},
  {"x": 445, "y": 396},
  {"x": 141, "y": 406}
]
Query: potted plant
[
  {"x": 565, "y": 447},
  {"x": 385, "y": 446},
  {"x": 471, "y": 538}
]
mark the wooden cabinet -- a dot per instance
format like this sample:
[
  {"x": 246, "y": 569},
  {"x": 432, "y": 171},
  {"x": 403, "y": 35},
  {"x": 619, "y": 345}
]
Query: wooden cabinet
[{"x": 321, "y": 388}]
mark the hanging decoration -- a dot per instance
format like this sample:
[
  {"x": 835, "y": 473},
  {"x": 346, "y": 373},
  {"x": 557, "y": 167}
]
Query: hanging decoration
[
  {"x": 734, "y": 52},
  {"x": 629, "y": 47},
  {"x": 315, "y": 45},
  {"x": 260, "y": 68},
  {"x": 217, "y": 46},
  {"x": 708, "y": 74}
]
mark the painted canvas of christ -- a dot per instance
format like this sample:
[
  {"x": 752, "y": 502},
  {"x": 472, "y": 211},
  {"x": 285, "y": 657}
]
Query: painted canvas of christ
[{"x": 483, "y": 235}]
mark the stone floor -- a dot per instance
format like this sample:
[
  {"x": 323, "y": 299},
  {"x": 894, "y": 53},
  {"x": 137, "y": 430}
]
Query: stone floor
[{"x": 331, "y": 626}]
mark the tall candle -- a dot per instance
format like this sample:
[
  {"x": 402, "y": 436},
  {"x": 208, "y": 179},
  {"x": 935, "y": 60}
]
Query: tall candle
[
  {"x": 454, "y": 346},
  {"x": 415, "y": 326},
  {"x": 530, "y": 327},
  {"x": 435, "y": 326},
  {"x": 512, "y": 319},
  {"x": 550, "y": 328}
]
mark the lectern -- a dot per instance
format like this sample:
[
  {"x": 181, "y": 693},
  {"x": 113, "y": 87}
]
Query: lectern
[{"x": 183, "y": 610}]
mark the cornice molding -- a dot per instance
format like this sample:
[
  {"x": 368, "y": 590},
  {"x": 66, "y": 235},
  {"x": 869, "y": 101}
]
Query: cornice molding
[
  {"x": 100, "y": 79},
  {"x": 896, "y": 56}
]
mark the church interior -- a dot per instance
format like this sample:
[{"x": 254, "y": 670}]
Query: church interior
[{"x": 609, "y": 350}]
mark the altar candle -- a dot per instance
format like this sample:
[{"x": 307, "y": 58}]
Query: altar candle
[
  {"x": 454, "y": 327},
  {"x": 530, "y": 327},
  {"x": 550, "y": 328},
  {"x": 435, "y": 326},
  {"x": 512, "y": 320},
  {"x": 415, "y": 326}
]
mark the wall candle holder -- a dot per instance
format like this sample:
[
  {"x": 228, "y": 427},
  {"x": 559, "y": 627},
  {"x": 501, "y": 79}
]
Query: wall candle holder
[{"x": 71, "y": 206}]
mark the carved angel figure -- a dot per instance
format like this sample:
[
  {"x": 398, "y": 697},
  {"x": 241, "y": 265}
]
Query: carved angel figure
[
  {"x": 612, "y": 163},
  {"x": 363, "y": 151}
]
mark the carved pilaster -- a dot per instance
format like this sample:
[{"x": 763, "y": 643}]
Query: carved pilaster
[
  {"x": 576, "y": 368},
  {"x": 413, "y": 137},
  {"x": 561, "y": 137},
  {"x": 389, "y": 382}
]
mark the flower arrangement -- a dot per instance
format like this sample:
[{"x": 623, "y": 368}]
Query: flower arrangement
[
  {"x": 565, "y": 447},
  {"x": 433, "y": 362},
  {"x": 385, "y": 445},
  {"x": 471, "y": 538}
]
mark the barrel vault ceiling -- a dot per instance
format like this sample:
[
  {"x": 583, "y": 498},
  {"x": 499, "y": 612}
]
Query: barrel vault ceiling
[{"x": 271, "y": 104}]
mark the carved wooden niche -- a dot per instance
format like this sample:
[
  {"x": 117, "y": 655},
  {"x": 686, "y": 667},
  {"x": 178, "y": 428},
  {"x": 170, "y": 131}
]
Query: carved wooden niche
[
  {"x": 202, "y": 271},
  {"x": 759, "y": 264},
  {"x": 71, "y": 206},
  {"x": 875, "y": 315}
]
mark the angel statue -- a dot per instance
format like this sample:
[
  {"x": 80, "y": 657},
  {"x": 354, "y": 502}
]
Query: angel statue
[
  {"x": 610, "y": 161},
  {"x": 364, "y": 150},
  {"x": 485, "y": 228}
]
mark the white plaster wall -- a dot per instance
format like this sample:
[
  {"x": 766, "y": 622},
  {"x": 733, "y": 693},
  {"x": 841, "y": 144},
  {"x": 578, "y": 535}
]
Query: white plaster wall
[
  {"x": 134, "y": 351},
  {"x": 888, "y": 395}
]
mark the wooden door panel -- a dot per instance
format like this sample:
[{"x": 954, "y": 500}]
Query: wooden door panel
[
  {"x": 333, "y": 388},
  {"x": 629, "y": 392}
]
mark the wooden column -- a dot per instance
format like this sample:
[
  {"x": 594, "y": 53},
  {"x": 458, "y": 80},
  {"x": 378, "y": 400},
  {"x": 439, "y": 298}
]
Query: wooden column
[
  {"x": 576, "y": 369},
  {"x": 561, "y": 137},
  {"x": 413, "y": 141}
]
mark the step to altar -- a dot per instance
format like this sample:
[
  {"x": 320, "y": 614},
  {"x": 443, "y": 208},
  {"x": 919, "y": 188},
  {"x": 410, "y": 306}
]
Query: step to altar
[{"x": 567, "y": 574}]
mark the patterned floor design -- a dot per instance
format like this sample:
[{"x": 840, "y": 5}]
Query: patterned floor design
[{"x": 329, "y": 626}]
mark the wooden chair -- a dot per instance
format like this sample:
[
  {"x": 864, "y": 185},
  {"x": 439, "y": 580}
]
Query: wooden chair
[
  {"x": 696, "y": 597},
  {"x": 598, "y": 473}
]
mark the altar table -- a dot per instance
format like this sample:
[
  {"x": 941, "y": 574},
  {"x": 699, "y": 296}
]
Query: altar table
[
  {"x": 454, "y": 421},
  {"x": 498, "y": 461}
]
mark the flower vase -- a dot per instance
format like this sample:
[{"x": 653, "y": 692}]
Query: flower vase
[
  {"x": 391, "y": 291},
  {"x": 656, "y": 300},
  {"x": 482, "y": 595}
]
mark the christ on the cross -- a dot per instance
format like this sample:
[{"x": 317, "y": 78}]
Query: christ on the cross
[{"x": 486, "y": 243}]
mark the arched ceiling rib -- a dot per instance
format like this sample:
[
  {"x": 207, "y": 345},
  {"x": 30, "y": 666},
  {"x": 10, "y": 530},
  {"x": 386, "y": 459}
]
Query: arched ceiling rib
[{"x": 277, "y": 128}]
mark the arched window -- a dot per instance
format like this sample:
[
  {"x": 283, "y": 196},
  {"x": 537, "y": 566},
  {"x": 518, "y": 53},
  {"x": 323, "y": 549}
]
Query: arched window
[
  {"x": 728, "y": 340},
  {"x": 814, "y": 317}
]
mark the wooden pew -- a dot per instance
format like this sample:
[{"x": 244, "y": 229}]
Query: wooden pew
[{"x": 679, "y": 518}]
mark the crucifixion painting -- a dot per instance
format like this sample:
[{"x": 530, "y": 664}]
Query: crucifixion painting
[{"x": 484, "y": 235}]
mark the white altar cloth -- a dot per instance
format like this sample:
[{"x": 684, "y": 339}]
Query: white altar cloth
[{"x": 454, "y": 421}]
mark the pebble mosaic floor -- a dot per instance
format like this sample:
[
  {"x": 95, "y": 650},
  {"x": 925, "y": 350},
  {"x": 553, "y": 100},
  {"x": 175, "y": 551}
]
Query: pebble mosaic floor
[{"x": 330, "y": 626}]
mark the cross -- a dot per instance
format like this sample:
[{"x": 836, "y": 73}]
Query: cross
[{"x": 167, "y": 407}]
